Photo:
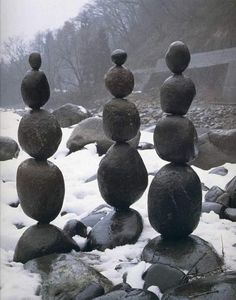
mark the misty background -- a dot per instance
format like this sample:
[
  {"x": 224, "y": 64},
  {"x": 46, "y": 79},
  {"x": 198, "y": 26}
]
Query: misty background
[{"x": 76, "y": 50}]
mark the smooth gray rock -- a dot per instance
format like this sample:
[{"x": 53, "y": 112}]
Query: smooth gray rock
[
  {"x": 231, "y": 190},
  {"x": 74, "y": 227},
  {"x": 215, "y": 287},
  {"x": 177, "y": 57},
  {"x": 213, "y": 193},
  {"x": 191, "y": 254},
  {"x": 91, "y": 131},
  {"x": 230, "y": 214},
  {"x": 8, "y": 148},
  {"x": 70, "y": 114},
  {"x": 216, "y": 148},
  {"x": 96, "y": 215},
  {"x": 217, "y": 208},
  {"x": 222, "y": 171},
  {"x": 119, "y": 57},
  {"x": 66, "y": 276}
]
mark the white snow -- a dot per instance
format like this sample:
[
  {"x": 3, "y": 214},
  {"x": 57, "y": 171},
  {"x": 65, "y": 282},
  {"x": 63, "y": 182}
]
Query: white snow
[{"x": 80, "y": 199}]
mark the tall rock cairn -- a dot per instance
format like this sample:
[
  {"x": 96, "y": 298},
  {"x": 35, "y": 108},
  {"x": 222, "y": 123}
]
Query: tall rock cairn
[
  {"x": 122, "y": 176},
  {"x": 175, "y": 195},
  {"x": 40, "y": 183}
]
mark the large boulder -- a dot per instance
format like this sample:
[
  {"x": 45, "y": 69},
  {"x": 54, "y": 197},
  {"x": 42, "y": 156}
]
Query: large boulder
[
  {"x": 216, "y": 148},
  {"x": 70, "y": 114},
  {"x": 66, "y": 276},
  {"x": 8, "y": 148},
  {"x": 91, "y": 131}
]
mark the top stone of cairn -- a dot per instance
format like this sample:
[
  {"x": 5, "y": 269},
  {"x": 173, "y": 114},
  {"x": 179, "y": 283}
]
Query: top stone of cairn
[
  {"x": 119, "y": 57},
  {"x": 35, "y": 60},
  {"x": 177, "y": 57}
]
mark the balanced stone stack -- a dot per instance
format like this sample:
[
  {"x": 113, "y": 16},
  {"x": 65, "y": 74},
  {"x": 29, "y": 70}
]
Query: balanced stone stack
[
  {"x": 122, "y": 176},
  {"x": 40, "y": 183}
]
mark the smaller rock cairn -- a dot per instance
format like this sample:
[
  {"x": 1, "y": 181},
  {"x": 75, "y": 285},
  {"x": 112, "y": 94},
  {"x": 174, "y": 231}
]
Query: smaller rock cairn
[
  {"x": 122, "y": 176},
  {"x": 175, "y": 195},
  {"x": 40, "y": 183}
]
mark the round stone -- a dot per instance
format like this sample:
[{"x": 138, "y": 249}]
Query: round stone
[
  {"x": 119, "y": 57},
  {"x": 177, "y": 93},
  {"x": 175, "y": 201},
  {"x": 177, "y": 57},
  {"x": 119, "y": 81},
  {"x": 41, "y": 189},
  {"x": 35, "y": 60},
  {"x": 35, "y": 89},
  {"x": 175, "y": 139},
  {"x": 39, "y": 134},
  {"x": 122, "y": 176},
  {"x": 121, "y": 120}
]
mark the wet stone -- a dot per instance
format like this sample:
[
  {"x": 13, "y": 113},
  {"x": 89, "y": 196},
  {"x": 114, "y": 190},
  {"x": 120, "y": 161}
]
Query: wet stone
[
  {"x": 231, "y": 190},
  {"x": 40, "y": 240},
  {"x": 213, "y": 194},
  {"x": 40, "y": 188},
  {"x": 119, "y": 57},
  {"x": 177, "y": 57},
  {"x": 35, "y": 60},
  {"x": 224, "y": 199},
  {"x": 191, "y": 254},
  {"x": 8, "y": 148},
  {"x": 90, "y": 292},
  {"x": 122, "y": 176},
  {"x": 145, "y": 146},
  {"x": 215, "y": 287},
  {"x": 96, "y": 215},
  {"x": 175, "y": 139},
  {"x": 222, "y": 171},
  {"x": 121, "y": 120},
  {"x": 217, "y": 208},
  {"x": 177, "y": 93},
  {"x": 74, "y": 227},
  {"x": 174, "y": 209},
  {"x": 116, "y": 229},
  {"x": 230, "y": 214},
  {"x": 39, "y": 134}
]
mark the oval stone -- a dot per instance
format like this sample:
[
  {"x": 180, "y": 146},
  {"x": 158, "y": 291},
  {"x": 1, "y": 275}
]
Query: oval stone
[
  {"x": 119, "y": 57},
  {"x": 175, "y": 139},
  {"x": 35, "y": 89},
  {"x": 177, "y": 57},
  {"x": 39, "y": 134},
  {"x": 121, "y": 120},
  {"x": 35, "y": 60},
  {"x": 175, "y": 201},
  {"x": 177, "y": 93},
  {"x": 119, "y": 81},
  {"x": 122, "y": 176},
  {"x": 40, "y": 188}
]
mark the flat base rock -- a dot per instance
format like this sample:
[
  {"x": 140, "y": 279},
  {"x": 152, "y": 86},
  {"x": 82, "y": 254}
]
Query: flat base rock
[
  {"x": 116, "y": 229},
  {"x": 192, "y": 254},
  {"x": 130, "y": 294},
  {"x": 65, "y": 277},
  {"x": 42, "y": 239},
  {"x": 217, "y": 287}
]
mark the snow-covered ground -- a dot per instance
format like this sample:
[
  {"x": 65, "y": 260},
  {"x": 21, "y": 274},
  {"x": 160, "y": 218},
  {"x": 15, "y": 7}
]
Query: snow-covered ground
[{"x": 80, "y": 199}]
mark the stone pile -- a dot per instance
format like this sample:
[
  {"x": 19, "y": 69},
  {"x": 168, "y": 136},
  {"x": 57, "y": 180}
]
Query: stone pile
[
  {"x": 40, "y": 183},
  {"x": 122, "y": 176}
]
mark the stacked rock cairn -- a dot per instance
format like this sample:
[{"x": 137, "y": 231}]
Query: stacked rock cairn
[
  {"x": 40, "y": 183},
  {"x": 122, "y": 176},
  {"x": 175, "y": 195}
]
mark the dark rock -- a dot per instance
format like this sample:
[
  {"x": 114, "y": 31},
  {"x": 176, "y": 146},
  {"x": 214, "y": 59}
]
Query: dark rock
[
  {"x": 90, "y": 292},
  {"x": 213, "y": 206},
  {"x": 230, "y": 214},
  {"x": 174, "y": 209},
  {"x": 8, "y": 148},
  {"x": 145, "y": 146},
  {"x": 119, "y": 81},
  {"x": 91, "y": 131},
  {"x": 216, "y": 148},
  {"x": 121, "y": 120},
  {"x": 40, "y": 188},
  {"x": 96, "y": 215},
  {"x": 163, "y": 276},
  {"x": 74, "y": 227},
  {"x": 92, "y": 178},
  {"x": 177, "y": 57},
  {"x": 39, "y": 134},
  {"x": 35, "y": 60},
  {"x": 222, "y": 171},
  {"x": 121, "y": 286},
  {"x": 174, "y": 139},
  {"x": 213, "y": 193},
  {"x": 40, "y": 240},
  {"x": 35, "y": 89},
  {"x": 116, "y": 229},
  {"x": 204, "y": 187},
  {"x": 130, "y": 294},
  {"x": 70, "y": 114},
  {"x": 191, "y": 254},
  {"x": 224, "y": 199},
  {"x": 122, "y": 176},
  {"x": 66, "y": 276},
  {"x": 231, "y": 190},
  {"x": 119, "y": 57},
  {"x": 15, "y": 204},
  {"x": 215, "y": 287},
  {"x": 177, "y": 93},
  {"x": 19, "y": 225}
]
